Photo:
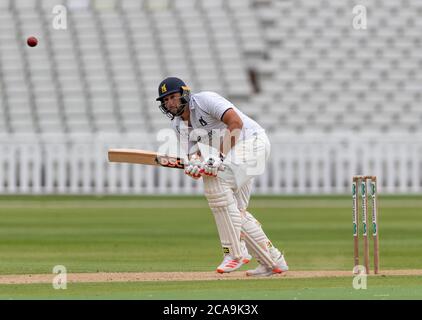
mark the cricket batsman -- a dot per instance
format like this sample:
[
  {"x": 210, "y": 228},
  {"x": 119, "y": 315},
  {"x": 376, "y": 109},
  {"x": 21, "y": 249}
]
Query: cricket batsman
[{"x": 242, "y": 146}]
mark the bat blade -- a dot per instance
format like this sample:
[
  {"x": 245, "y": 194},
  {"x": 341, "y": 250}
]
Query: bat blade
[{"x": 145, "y": 157}]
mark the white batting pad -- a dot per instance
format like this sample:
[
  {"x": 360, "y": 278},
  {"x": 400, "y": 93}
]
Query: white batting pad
[
  {"x": 256, "y": 240},
  {"x": 227, "y": 215}
]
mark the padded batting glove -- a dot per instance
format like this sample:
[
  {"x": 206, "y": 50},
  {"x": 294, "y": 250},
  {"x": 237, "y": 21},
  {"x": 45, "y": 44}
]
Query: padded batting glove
[
  {"x": 211, "y": 165},
  {"x": 194, "y": 167}
]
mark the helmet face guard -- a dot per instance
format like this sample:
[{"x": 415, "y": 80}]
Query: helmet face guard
[{"x": 184, "y": 101}]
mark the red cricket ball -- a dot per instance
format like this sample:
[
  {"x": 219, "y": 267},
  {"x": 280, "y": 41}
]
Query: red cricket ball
[{"x": 32, "y": 41}]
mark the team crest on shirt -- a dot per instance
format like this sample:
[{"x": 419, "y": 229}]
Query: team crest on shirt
[{"x": 202, "y": 121}]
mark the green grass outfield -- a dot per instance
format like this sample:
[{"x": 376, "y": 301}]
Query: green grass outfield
[
  {"x": 268, "y": 289},
  {"x": 155, "y": 234}
]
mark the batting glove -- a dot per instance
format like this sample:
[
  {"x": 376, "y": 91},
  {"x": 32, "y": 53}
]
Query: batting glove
[
  {"x": 194, "y": 167},
  {"x": 210, "y": 165}
]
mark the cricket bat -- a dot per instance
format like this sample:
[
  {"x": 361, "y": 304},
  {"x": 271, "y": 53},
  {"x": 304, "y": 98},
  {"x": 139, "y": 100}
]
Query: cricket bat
[{"x": 145, "y": 157}]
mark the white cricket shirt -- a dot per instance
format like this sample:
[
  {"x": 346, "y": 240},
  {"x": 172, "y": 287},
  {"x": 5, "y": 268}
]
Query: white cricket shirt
[{"x": 206, "y": 112}]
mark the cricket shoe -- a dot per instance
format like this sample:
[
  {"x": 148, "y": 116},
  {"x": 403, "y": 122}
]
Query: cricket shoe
[
  {"x": 266, "y": 271},
  {"x": 230, "y": 264}
]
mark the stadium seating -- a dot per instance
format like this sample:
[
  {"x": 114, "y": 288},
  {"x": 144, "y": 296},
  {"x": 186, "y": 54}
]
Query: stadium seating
[{"x": 312, "y": 71}]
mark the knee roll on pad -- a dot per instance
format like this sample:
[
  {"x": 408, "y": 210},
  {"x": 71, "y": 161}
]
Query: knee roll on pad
[
  {"x": 253, "y": 228},
  {"x": 217, "y": 200}
]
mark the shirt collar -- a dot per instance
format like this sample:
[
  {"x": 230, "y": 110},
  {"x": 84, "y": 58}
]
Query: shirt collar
[{"x": 191, "y": 103}]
